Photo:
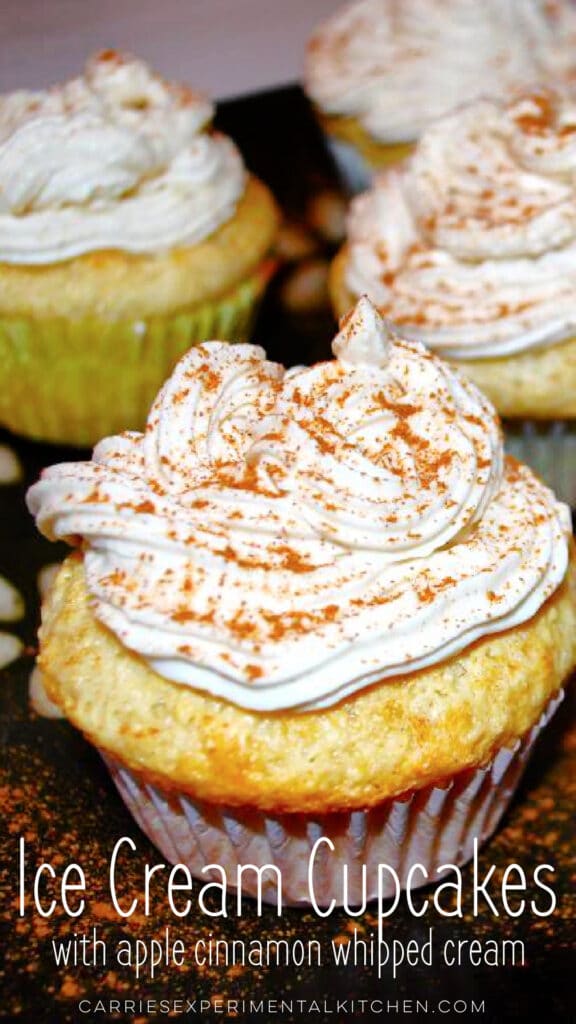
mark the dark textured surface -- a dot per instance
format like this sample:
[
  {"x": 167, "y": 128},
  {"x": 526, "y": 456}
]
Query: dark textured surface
[{"x": 56, "y": 794}]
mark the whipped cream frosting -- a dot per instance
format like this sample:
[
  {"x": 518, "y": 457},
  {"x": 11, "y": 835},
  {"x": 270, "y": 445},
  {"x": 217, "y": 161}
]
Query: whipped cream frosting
[
  {"x": 395, "y": 65},
  {"x": 471, "y": 245},
  {"x": 283, "y": 539},
  {"x": 115, "y": 159}
]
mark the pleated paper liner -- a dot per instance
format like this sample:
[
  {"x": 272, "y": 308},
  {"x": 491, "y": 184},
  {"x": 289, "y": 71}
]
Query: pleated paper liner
[
  {"x": 76, "y": 381},
  {"x": 434, "y": 826},
  {"x": 549, "y": 448}
]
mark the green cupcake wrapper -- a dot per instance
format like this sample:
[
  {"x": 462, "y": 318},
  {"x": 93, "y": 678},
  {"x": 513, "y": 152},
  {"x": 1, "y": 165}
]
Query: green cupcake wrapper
[{"x": 76, "y": 381}]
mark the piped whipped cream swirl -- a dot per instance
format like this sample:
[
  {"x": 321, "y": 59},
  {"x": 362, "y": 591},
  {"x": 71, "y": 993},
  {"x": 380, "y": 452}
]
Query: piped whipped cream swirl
[
  {"x": 283, "y": 539},
  {"x": 471, "y": 246},
  {"x": 398, "y": 64},
  {"x": 116, "y": 159}
]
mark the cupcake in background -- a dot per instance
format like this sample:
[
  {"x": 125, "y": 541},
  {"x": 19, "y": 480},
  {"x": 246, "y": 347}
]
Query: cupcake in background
[
  {"x": 129, "y": 230},
  {"x": 471, "y": 248},
  {"x": 333, "y": 609},
  {"x": 379, "y": 71}
]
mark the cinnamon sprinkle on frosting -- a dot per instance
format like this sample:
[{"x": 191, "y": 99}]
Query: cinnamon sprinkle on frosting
[
  {"x": 397, "y": 65},
  {"x": 471, "y": 246},
  {"x": 294, "y": 537}
]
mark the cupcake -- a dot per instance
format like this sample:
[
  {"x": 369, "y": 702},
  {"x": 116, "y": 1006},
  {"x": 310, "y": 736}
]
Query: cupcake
[
  {"x": 471, "y": 248},
  {"x": 129, "y": 230},
  {"x": 379, "y": 71},
  {"x": 310, "y": 603}
]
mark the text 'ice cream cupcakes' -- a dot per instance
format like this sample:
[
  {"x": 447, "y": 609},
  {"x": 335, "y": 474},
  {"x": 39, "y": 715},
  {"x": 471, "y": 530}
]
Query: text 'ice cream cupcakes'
[
  {"x": 471, "y": 247},
  {"x": 310, "y": 602},
  {"x": 129, "y": 230},
  {"x": 380, "y": 71}
]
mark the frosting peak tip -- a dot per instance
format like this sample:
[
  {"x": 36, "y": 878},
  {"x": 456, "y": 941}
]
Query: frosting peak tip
[{"x": 363, "y": 338}]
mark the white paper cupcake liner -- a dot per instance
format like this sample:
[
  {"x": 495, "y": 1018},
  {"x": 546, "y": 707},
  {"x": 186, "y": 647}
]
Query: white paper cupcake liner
[
  {"x": 434, "y": 826},
  {"x": 354, "y": 171},
  {"x": 549, "y": 448}
]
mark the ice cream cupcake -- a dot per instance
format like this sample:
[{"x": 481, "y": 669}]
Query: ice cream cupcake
[
  {"x": 380, "y": 71},
  {"x": 310, "y": 603},
  {"x": 471, "y": 247},
  {"x": 129, "y": 230}
]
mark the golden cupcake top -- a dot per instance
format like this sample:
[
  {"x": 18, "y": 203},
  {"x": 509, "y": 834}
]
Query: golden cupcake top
[
  {"x": 118, "y": 158},
  {"x": 285, "y": 538},
  {"x": 471, "y": 245}
]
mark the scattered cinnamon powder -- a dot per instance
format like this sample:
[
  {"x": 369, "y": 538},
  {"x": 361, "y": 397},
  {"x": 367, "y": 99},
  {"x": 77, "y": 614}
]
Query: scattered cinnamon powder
[
  {"x": 210, "y": 378},
  {"x": 540, "y": 120},
  {"x": 183, "y": 615},
  {"x": 254, "y": 672}
]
